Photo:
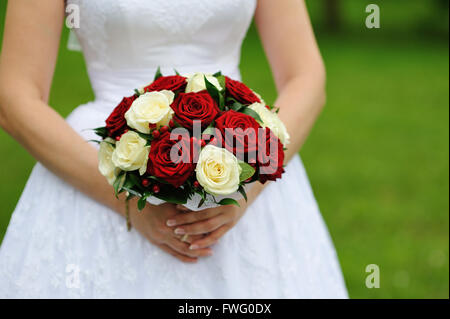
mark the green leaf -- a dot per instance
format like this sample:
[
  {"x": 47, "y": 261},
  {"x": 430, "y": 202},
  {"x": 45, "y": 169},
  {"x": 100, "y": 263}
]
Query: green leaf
[
  {"x": 215, "y": 94},
  {"x": 131, "y": 182},
  {"x": 158, "y": 74},
  {"x": 118, "y": 183},
  {"x": 145, "y": 136},
  {"x": 201, "y": 203},
  {"x": 136, "y": 91},
  {"x": 217, "y": 74},
  {"x": 247, "y": 171},
  {"x": 110, "y": 143},
  {"x": 135, "y": 179},
  {"x": 141, "y": 203},
  {"x": 243, "y": 193},
  {"x": 94, "y": 141},
  {"x": 253, "y": 114},
  {"x": 174, "y": 196},
  {"x": 101, "y": 131},
  {"x": 202, "y": 193},
  {"x": 176, "y": 72},
  {"x": 210, "y": 130},
  {"x": 236, "y": 106},
  {"x": 229, "y": 201},
  {"x": 221, "y": 80},
  {"x": 159, "y": 180}
]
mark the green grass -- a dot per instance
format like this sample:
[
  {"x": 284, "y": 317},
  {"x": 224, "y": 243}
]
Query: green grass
[{"x": 377, "y": 158}]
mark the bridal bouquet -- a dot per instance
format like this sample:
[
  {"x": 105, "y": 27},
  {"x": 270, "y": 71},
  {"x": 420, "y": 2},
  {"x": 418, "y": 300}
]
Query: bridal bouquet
[{"x": 196, "y": 140}]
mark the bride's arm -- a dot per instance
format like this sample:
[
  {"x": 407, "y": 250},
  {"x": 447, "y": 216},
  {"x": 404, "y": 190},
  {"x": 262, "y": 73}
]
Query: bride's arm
[
  {"x": 299, "y": 73},
  {"x": 288, "y": 39},
  {"x": 27, "y": 62}
]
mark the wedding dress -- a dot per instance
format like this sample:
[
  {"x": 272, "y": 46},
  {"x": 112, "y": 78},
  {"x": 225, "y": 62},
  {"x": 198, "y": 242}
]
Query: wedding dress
[{"x": 60, "y": 243}]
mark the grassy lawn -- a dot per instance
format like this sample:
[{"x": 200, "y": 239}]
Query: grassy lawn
[
  {"x": 378, "y": 157},
  {"x": 378, "y": 160}
]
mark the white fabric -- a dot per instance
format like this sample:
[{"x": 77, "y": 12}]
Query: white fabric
[{"x": 62, "y": 244}]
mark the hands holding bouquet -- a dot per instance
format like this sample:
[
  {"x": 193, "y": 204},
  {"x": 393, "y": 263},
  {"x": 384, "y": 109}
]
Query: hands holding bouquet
[{"x": 197, "y": 142}]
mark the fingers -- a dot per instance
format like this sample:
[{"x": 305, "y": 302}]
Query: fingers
[
  {"x": 177, "y": 255},
  {"x": 210, "y": 239},
  {"x": 183, "y": 248},
  {"x": 192, "y": 217},
  {"x": 188, "y": 238},
  {"x": 183, "y": 208},
  {"x": 202, "y": 227}
]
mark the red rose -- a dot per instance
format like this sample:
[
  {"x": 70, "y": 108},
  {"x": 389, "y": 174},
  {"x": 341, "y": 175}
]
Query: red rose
[
  {"x": 241, "y": 140},
  {"x": 240, "y": 92},
  {"x": 171, "y": 159},
  {"x": 171, "y": 83},
  {"x": 270, "y": 157},
  {"x": 116, "y": 123},
  {"x": 190, "y": 107}
]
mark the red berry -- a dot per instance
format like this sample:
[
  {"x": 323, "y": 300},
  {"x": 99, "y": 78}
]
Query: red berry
[
  {"x": 152, "y": 126},
  {"x": 145, "y": 182},
  {"x": 156, "y": 189},
  {"x": 156, "y": 134},
  {"x": 196, "y": 184},
  {"x": 171, "y": 123},
  {"x": 126, "y": 131},
  {"x": 118, "y": 138},
  {"x": 164, "y": 129},
  {"x": 202, "y": 143}
]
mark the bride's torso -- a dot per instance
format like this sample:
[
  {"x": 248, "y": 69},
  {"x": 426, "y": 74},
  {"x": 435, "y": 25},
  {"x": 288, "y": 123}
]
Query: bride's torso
[{"x": 124, "y": 41}]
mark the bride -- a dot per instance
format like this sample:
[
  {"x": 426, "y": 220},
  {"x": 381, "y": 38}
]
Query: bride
[{"x": 67, "y": 236}]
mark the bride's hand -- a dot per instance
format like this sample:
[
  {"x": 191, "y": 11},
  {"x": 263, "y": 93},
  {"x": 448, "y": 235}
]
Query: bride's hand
[
  {"x": 151, "y": 223},
  {"x": 214, "y": 222}
]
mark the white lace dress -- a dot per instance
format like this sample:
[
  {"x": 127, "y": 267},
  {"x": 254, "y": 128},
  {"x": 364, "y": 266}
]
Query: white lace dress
[{"x": 61, "y": 243}]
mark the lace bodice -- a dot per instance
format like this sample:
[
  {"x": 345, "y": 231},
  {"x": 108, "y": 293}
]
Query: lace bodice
[{"x": 134, "y": 37}]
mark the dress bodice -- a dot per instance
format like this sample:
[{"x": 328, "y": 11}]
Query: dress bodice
[{"x": 125, "y": 41}]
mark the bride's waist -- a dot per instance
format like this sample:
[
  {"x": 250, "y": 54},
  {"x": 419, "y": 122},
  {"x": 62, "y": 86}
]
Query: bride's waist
[{"x": 110, "y": 86}]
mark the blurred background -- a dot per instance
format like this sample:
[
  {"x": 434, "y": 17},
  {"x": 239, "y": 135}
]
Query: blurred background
[{"x": 378, "y": 158}]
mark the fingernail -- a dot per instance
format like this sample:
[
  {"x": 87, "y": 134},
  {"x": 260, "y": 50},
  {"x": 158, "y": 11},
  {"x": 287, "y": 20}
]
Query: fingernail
[
  {"x": 171, "y": 222},
  {"x": 180, "y": 231},
  {"x": 193, "y": 247}
]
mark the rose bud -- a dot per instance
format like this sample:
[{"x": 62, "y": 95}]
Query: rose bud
[
  {"x": 156, "y": 134},
  {"x": 145, "y": 182},
  {"x": 164, "y": 129}
]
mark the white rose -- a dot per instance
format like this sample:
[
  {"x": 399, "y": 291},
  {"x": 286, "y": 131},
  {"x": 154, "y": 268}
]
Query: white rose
[
  {"x": 105, "y": 164},
  {"x": 272, "y": 121},
  {"x": 150, "y": 108},
  {"x": 131, "y": 153},
  {"x": 196, "y": 82},
  {"x": 218, "y": 171}
]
